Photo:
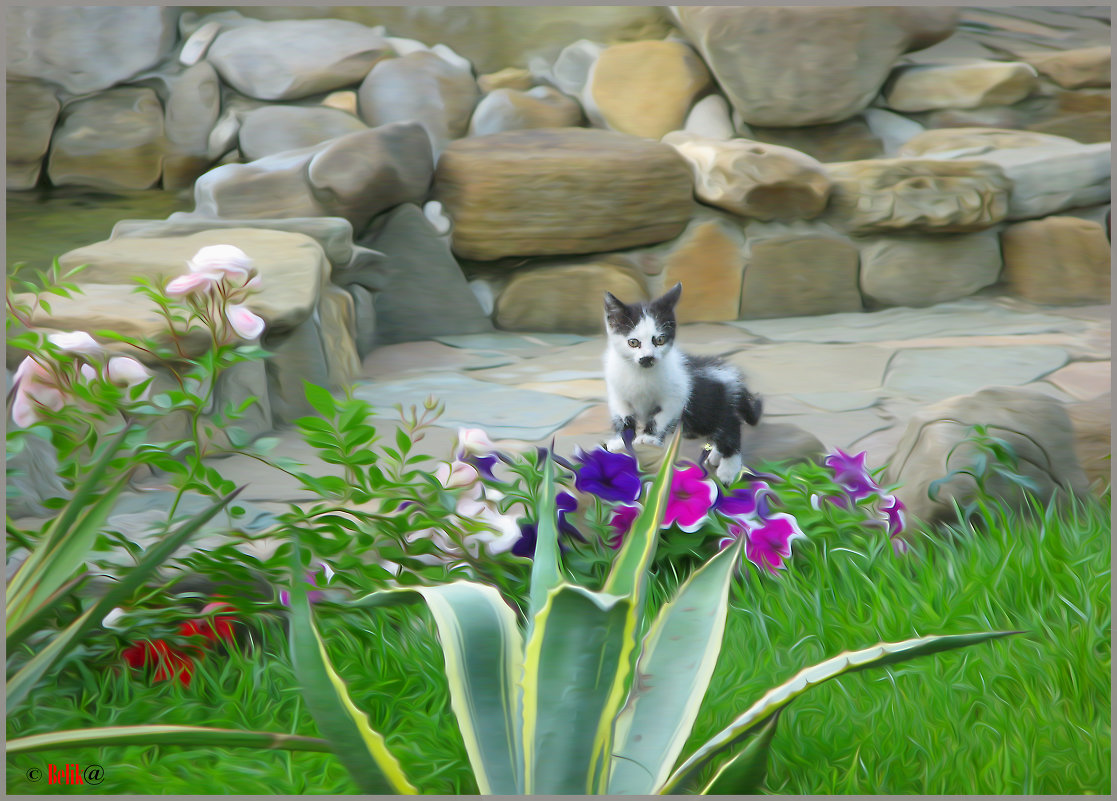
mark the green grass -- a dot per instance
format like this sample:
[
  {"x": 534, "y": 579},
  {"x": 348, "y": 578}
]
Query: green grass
[{"x": 1025, "y": 715}]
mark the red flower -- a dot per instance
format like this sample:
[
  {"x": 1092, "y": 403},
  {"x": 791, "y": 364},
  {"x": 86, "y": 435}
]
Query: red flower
[{"x": 168, "y": 662}]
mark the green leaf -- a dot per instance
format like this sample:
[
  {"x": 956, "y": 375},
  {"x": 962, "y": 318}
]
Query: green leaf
[
  {"x": 359, "y": 747},
  {"x": 743, "y": 773},
  {"x": 571, "y": 662},
  {"x": 545, "y": 572},
  {"x": 22, "y": 683},
  {"x": 321, "y": 399},
  {"x": 165, "y": 735},
  {"x": 672, "y": 674},
  {"x": 483, "y": 652},
  {"x": 780, "y": 696}
]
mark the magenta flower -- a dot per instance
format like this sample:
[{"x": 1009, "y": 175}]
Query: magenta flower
[
  {"x": 623, "y": 518},
  {"x": 692, "y": 496},
  {"x": 610, "y": 476},
  {"x": 894, "y": 513},
  {"x": 768, "y": 544},
  {"x": 851, "y": 475}
]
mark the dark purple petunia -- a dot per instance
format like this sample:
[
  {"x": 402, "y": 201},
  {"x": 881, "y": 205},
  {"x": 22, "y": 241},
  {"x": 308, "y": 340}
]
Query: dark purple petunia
[
  {"x": 566, "y": 504},
  {"x": 851, "y": 475},
  {"x": 750, "y": 501},
  {"x": 610, "y": 476},
  {"x": 525, "y": 545}
]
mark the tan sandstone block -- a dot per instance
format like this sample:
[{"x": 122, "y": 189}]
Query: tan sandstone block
[{"x": 1057, "y": 260}]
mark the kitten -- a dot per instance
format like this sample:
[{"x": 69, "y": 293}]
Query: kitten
[{"x": 652, "y": 386}]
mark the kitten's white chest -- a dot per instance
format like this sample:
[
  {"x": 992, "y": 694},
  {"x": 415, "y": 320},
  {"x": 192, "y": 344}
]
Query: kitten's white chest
[{"x": 645, "y": 391}]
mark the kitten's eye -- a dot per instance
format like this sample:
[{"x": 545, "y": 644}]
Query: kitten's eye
[
  {"x": 658, "y": 340},
  {"x": 633, "y": 343}
]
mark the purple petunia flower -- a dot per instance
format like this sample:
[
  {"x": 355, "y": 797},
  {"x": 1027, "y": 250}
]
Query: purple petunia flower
[
  {"x": 525, "y": 545},
  {"x": 851, "y": 475},
  {"x": 610, "y": 476},
  {"x": 623, "y": 518},
  {"x": 692, "y": 496},
  {"x": 894, "y": 513},
  {"x": 315, "y": 595},
  {"x": 750, "y": 501},
  {"x": 566, "y": 504},
  {"x": 768, "y": 545}
]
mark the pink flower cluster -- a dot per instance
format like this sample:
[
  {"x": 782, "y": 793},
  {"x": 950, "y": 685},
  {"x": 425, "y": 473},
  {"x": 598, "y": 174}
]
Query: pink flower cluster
[
  {"x": 858, "y": 485},
  {"x": 225, "y": 273},
  {"x": 42, "y": 383}
]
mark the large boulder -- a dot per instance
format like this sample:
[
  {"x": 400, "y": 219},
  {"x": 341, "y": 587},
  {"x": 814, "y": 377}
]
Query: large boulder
[
  {"x": 268, "y": 130},
  {"x": 290, "y": 59},
  {"x": 646, "y": 88},
  {"x": 112, "y": 140},
  {"x": 561, "y": 191},
  {"x": 798, "y": 269},
  {"x": 32, "y": 108},
  {"x": 1035, "y": 425},
  {"x": 1093, "y": 439},
  {"x": 424, "y": 293},
  {"x": 1075, "y": 69},
  {"x": 420, "y": 87},
  {"x": 799, "y": 65},
  {"x": 355, "y": 176},
  {"x": 916, "y": 194},
  {"x": 1057, "y": 260},
  {"x": 915, "y": 270},
  {"x": 514, "y": 110},
  {"x": 752, "y": 179},
  {"x": 565, "y": 298},
  {"x": 922, "y": 87},
  {"x": 88, "y": 48}
]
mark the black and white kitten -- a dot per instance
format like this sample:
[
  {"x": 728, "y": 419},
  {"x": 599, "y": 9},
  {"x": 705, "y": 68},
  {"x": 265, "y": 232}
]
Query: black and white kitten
[{"x": 652, "y": 385}]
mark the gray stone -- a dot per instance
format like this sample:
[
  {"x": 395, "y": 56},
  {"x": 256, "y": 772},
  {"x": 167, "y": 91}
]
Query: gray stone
[
  {"x": 113, "y": 140},
  {"x": 364, "y": 316},
  {"x": 799, "y": 269},
  {"x": 780, "y": 442},
  {"x": 289, "y": 59},
  {"x": 273, "y": 129},
  {"x": 935, "y": 373},
  {"x": 1046, "y": 180},
  {"x": 67, "y": 45},
  {"x": 512, "y": 110},
  {"x": 424, "y": 88},
  {"x": 893, "y": 130},
  {"x": 709, "y": 118},
  {"x": 32, "y": 109},
  {"x": 416, "y": 260},
  {"x": 915, "y": 270},
  {"x": 923, "y": 87},
  {"x": 355, "y": 176},
  {"x": 1037, "y": 427}
]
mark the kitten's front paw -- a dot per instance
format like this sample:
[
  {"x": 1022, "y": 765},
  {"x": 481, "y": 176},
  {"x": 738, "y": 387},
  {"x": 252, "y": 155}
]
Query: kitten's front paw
[
  {"x": 648, "y": 439},
  {"x": 729, "y": 469},
  {"x": 616, "y": 445}
]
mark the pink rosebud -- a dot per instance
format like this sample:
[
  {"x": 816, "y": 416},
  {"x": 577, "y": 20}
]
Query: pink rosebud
[
  {"x": 76, "y": 342},
  {"x": 124, "y": 371},
  {"x": 227, "y": 260},
  {"x": 245, "y": 323},
  {"x": 191, "y": 283},
  {"x": 475, "y": 441},
  {"x": 35, "y": 390}
]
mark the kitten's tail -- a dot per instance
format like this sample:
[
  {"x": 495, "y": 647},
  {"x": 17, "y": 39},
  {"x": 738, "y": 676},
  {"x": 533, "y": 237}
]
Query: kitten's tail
[{"x": 749, "y": 406}]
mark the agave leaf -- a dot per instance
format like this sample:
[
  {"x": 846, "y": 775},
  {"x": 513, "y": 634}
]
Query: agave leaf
[
  {"x": 165, "y": 735},
  {"x": 31, "y": 621},
  {"x": 21, "y": 684},
  {"x": 483, "y": 651},
  {"x": 672, "y": 674},
  {"x": 571, "y": 661},
  {"x": 360, "y": 748},
  {"x": 31, "y": 571},
  {"x": 884, "y": 653},
  {"x": 545, "y": 572},
  {"x": 743, "y": 773}
]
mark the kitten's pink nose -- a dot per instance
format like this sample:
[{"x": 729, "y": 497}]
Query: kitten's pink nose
[{"x": 647, "y": 361}]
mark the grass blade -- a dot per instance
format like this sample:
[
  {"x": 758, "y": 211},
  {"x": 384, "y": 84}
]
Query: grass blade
[
  {"x": 359, "y": 747},
  {"x": 846, "y": 662},
  {"x": 483, "y": 651},
  {"x": 165, "y": 735}
]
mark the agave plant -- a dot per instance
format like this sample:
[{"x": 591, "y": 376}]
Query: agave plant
[{"x": 584, "y": 697}]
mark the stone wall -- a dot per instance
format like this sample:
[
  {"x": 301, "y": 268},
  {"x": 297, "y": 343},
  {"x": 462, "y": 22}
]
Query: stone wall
[{"x": 510, "y": 164}]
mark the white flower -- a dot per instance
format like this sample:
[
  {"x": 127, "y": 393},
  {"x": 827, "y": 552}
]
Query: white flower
[
  {"x": 475, "y": 441},
  {"x": 124, "y": 371},
  {"x": 76, "y": 342},
  {"x": 456, "y": 475},
  {"x": 227, "y": 260},
  {"x": 192, "y": 283},
  {"x": 35, "y": 389}
]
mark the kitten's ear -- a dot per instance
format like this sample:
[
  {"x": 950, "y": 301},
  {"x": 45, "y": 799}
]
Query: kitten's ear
[
  {"x": 611, "y": 303},
  {"x": 670, "y": 298}
]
